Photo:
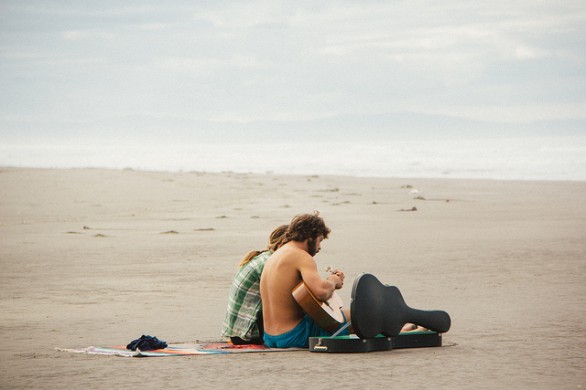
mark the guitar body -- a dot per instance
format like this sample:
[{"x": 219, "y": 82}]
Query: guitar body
[
  {"x": 328, "y": 314},
  {"x": 377, "y": 308}
]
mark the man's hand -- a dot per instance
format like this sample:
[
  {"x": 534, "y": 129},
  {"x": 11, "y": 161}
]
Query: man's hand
[{"x": 337, "y": 277}]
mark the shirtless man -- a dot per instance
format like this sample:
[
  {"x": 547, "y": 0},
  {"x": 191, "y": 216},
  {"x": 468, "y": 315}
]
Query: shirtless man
[{"x": 285, "y": 323}]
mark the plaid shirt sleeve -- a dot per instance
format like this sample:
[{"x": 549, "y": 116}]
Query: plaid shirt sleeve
[{"x": 244, "y": 303}]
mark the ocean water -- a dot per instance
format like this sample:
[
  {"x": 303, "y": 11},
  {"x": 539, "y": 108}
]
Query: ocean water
[{"x": 500, "y": 158}]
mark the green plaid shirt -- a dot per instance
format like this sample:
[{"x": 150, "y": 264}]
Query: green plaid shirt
[{"x": 244, "y": 303}]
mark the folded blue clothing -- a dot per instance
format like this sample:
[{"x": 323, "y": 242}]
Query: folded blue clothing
[{"x": 146, "y": 343}]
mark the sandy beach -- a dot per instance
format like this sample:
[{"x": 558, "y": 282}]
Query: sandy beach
[{"x": 100, "y": 257}]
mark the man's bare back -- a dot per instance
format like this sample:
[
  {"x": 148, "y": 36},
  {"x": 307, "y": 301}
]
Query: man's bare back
[{"x": 283, "y": 271}]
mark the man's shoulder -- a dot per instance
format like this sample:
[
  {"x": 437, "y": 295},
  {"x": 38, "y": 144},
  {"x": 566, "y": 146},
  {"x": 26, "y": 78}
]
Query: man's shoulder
[{"x": 293, "y": 253}]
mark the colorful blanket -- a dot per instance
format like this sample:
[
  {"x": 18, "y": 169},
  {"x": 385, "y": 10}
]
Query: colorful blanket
[{"x": 200, "y": 348}]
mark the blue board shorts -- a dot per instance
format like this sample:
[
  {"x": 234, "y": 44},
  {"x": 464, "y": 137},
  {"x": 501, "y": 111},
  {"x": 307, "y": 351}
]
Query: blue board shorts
[{"x": 299, "y": 335}]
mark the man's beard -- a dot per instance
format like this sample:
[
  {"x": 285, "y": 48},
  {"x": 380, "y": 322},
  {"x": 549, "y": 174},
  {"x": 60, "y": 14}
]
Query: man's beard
[{"x": 312, "y": 247}]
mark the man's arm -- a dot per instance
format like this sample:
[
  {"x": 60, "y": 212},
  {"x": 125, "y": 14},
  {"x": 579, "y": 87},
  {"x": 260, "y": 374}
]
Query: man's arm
[{"x": 322, "y": 289}]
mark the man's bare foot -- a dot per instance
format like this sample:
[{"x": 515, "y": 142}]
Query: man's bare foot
[{"x": 413, "y": 328}]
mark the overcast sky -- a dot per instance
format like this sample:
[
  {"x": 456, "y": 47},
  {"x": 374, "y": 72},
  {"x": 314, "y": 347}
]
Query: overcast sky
[{"x": 83, "y": 64}]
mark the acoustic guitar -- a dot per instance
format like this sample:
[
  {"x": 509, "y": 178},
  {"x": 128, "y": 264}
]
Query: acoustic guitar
[{"x": 327, "y": 314}]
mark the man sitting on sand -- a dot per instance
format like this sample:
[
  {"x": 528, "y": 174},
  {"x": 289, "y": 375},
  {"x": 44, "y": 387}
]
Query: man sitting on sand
[{"x": 285, "y": 323}]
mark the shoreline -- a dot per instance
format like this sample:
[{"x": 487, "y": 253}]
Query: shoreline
[
  {"x": 272, "y": 173},
  {"x": 99, "y": 257}
]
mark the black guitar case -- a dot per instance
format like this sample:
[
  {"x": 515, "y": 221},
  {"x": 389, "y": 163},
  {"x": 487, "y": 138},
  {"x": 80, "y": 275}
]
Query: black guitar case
[
  {"x": 378, "y": 313},
  {"x": 377, "y": 308},
  {"x": 417, "y": 339},
  {"x": 353, "y": 343}
]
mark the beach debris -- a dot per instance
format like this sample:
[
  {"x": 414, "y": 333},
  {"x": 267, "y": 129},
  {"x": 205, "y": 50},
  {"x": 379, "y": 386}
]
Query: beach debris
[
  {"x": 204, "y": 230},
  {"x": 414, "y": 191},
  {"x": 432, "y": 199},
  {"x": 99, "y": 235},
  {"x": 339, "y": 203},
  {"x": 86, "y": 228},
  {"x": 411, "y": 209},
  {"x": 170, "y": 232},
  {"x": 408, "y": 186}
]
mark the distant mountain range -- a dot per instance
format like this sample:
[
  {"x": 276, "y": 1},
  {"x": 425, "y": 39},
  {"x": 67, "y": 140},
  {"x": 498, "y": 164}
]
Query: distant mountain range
[{"x": 339, "y": 128}]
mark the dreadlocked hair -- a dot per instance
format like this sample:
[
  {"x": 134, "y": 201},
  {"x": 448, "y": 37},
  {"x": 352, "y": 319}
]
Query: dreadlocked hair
[{"x": 276, "y": 239}]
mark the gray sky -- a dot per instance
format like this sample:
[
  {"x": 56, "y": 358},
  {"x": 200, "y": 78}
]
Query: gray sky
[{"x": 193, "y": 65}]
